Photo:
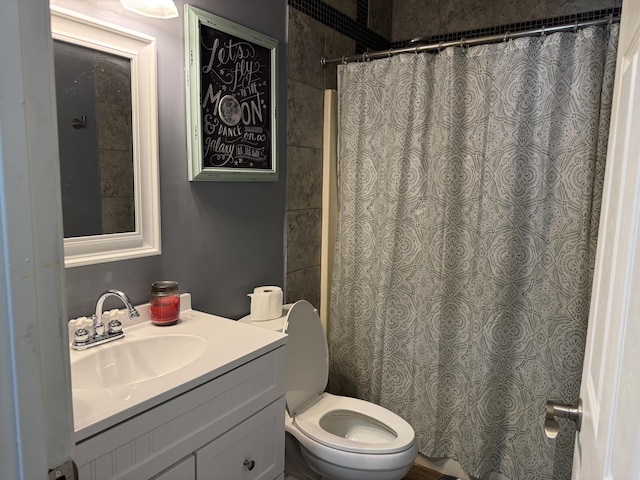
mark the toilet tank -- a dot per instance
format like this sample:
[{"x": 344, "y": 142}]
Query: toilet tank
[{"x": 275, "y": 325}]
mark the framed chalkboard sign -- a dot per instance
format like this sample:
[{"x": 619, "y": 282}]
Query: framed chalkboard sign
[{"x": 231, "y": 100}]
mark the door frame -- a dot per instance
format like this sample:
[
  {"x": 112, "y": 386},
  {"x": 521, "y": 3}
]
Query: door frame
[{"x": 36, "y": 421}]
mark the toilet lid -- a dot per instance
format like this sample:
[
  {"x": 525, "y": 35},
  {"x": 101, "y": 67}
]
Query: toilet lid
[{"x": 307, "y": 357}]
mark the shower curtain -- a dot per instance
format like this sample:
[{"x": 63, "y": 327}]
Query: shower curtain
[{"x": 470, "y": 184}]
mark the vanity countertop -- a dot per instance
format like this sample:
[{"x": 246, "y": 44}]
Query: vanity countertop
[{"x": 230, "y": 344}]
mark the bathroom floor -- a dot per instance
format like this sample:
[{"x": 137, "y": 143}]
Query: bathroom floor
[{"x": 419, "y": 472}]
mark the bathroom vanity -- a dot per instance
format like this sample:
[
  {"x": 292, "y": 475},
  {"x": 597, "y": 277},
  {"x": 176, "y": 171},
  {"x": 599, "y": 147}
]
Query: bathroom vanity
[{"x": 218, "y": 414}]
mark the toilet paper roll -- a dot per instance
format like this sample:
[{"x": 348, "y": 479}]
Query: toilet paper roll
[{"x": 266, "y": 303}]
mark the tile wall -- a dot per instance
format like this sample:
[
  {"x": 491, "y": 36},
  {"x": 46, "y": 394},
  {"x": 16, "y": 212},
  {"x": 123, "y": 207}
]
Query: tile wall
[
  {"x": 113, "y": 107},
  {"x": 425, "y": 18},
  {"x": 332, "y": 29}
]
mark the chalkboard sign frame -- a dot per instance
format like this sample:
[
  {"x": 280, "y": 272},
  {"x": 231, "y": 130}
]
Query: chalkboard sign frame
[{"x": 229, "y": 139}]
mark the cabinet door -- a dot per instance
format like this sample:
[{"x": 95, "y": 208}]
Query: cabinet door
[
  {"x": 254, "y": 450},
  {"x": 183, "y": 470}
]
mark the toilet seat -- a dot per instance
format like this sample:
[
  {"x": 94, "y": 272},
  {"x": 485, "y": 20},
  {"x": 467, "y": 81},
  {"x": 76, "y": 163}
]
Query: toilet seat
[
  {"x": 341, "y": 423},
  {"x": 380, "y": 431}
]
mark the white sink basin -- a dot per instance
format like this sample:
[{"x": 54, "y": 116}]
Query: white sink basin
[{"x": 134, "y": 360}]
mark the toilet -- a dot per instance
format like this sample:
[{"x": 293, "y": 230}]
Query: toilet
[{"x": 329, "y": 436}]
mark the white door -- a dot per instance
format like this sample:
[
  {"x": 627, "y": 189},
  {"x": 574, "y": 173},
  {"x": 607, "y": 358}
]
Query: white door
[
  {"x": 35, "y": 394},
  {"x": 608, "y": 447}
]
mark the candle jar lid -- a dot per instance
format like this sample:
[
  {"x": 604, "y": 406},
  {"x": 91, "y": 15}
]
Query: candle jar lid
[{"x": 164, "y": 287}]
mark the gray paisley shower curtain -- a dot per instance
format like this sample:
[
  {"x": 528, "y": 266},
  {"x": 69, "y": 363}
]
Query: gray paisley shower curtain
[{"x": 469, "y": 185}]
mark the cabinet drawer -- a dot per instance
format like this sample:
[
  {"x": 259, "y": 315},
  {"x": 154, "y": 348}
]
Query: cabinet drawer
[
  {"x": 254, "y": 450},
  {"x": 183, "y": 470}
]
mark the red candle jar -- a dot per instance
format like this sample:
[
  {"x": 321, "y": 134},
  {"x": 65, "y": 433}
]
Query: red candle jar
[{"x": 165, "y": 302}]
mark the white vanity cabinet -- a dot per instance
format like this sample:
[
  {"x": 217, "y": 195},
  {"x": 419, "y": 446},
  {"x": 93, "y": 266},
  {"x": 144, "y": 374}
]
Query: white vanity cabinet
[{"x": 227, "y": 426}]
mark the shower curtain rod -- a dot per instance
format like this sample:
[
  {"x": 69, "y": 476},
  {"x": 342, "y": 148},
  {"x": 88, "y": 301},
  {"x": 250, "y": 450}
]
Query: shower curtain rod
[{"x": 472, "y": 41}]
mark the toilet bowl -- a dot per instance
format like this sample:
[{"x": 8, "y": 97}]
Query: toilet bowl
[{"x": 330, "y": 436}]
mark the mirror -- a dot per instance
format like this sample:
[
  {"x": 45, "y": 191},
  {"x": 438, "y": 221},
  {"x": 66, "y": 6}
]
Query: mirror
[
  {"x": 93, "y": 96},
  {"x": 107, "y": 117}
]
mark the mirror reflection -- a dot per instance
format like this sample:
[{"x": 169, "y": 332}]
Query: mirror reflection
[{"x": 93, "y": 92}]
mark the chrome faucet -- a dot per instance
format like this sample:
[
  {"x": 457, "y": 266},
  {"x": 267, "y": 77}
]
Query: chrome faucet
[
  {"x": 82, "y": 338},
  {"x": 98, "y": 326}
]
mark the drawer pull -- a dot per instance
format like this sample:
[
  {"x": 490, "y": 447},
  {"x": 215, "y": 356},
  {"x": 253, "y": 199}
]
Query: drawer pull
[{"x": 249, "y": 464}]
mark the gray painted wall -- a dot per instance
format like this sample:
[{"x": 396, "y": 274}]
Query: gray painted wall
[{"x": 219, "y": 240}]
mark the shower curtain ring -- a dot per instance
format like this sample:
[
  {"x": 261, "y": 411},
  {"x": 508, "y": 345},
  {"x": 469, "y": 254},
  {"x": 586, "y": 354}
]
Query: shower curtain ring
[
  {"x": 575, "y": 27},
  {"x": 416, "y": 50},
  {"x": 365, "y": 57},
  {"x": 544, "y": 33},
  {"x": 389, "y": 53},
  {"x": 463, "y": 43},
  {"x": 506, "y": 36},
  {"x": 440, "y": 46},
  {"x": 344, "y": 59}
]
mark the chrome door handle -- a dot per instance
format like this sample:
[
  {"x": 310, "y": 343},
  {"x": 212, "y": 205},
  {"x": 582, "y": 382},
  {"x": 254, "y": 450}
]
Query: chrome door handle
[{"x": 555, "y": 409}]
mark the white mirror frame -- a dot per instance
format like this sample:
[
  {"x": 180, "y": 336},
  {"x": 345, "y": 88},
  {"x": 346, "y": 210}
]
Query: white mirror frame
[{"x": 88, "y": 32}]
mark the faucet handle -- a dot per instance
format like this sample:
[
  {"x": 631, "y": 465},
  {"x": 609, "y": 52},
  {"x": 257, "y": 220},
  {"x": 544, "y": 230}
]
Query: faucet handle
[
  {"x": 115, "y": 326},
  {"x": 81, "y": 336}
]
